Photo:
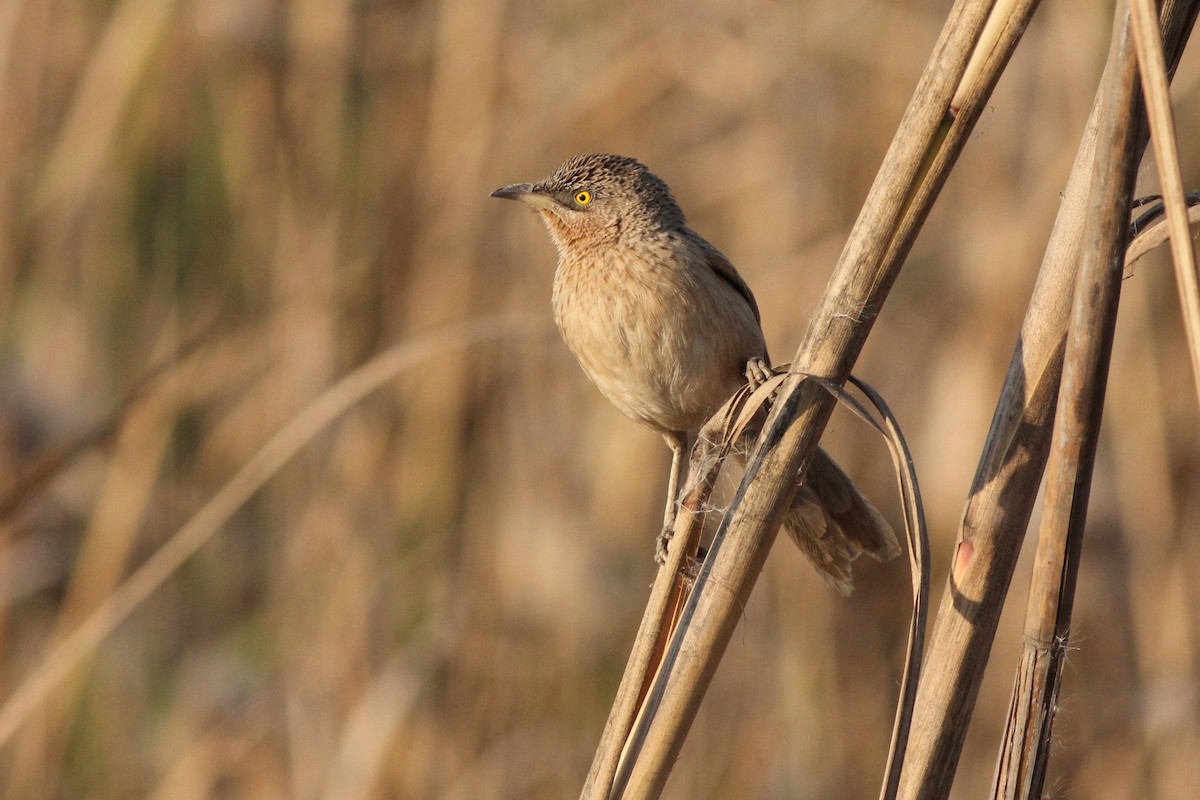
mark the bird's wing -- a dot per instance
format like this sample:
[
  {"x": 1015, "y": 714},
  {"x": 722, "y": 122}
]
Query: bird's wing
[{"x": 720, "y": 265}]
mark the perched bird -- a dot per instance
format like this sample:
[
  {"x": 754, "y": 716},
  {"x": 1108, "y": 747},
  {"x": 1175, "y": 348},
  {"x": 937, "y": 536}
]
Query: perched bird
[{"x": 665, "y": 327}]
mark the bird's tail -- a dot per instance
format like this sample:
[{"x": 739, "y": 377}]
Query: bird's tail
[{"x": 833, "y": 523}]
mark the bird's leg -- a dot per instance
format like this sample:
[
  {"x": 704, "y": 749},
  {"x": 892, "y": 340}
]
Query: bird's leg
[{"x": 678, "y": 443}]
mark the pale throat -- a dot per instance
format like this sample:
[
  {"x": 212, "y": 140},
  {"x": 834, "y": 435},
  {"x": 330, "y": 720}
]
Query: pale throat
[{"x": 572, "y": 236}]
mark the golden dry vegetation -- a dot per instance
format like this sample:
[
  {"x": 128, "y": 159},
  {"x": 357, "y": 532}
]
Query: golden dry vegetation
[{"x": 435, "y": 597}]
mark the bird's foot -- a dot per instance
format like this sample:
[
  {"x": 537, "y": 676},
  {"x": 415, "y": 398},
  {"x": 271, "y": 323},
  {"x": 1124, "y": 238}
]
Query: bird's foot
[
  {"x": 662, "y": 542},
  {"x": 758, "y": 372}
]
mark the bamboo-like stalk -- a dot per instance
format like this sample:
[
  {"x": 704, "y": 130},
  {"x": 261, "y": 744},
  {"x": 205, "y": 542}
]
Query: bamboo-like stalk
[
  {"x": 1006, "y": 482},
  {"x": 1024, "y": 754}
]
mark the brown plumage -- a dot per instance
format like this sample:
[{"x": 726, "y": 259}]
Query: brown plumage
[{"x": 665, "y": 326}]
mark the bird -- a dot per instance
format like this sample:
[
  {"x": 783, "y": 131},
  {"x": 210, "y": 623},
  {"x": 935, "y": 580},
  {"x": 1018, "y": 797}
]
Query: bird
[{"x": 667, "y": 329}]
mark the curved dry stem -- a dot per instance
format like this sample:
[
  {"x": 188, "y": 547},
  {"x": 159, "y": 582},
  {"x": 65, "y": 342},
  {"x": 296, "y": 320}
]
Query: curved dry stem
[
  {"x": 917, "y": 534},
  {"x": 1152, "y": 228}
]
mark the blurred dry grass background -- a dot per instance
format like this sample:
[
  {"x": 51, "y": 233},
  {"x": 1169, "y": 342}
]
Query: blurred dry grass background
[{"x": 436, "y": 597}]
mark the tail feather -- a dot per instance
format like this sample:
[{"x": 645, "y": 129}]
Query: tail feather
[{"x": 833, "y": 523}]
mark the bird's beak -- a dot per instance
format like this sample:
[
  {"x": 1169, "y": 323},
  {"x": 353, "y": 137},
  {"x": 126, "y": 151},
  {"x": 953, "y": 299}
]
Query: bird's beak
[{"x": 526, "y": 194}]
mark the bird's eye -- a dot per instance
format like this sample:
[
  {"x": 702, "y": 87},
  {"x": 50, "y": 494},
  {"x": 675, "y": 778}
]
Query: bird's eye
[{"x": 583, "y": 198}]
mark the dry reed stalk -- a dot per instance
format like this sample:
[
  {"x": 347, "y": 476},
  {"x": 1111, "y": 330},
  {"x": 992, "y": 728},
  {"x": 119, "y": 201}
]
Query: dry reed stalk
[
  {"x": 1021, "y": 770},
  {"x": 671, "y": 586},
  {"x": 1006, "y": 482},
  {"x": 658, "y": 621},
  {"x": 931, "y": 136}
]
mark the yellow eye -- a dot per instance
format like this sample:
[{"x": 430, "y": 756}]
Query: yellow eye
[{"x": 583, "y": 198}]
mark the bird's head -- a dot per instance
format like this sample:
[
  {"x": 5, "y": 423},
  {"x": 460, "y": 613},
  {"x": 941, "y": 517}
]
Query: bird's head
[{"x": 597, "y": 199}]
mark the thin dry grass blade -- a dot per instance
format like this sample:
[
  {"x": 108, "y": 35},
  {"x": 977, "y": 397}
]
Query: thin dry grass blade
[{"x": 1153, "y": 70}]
